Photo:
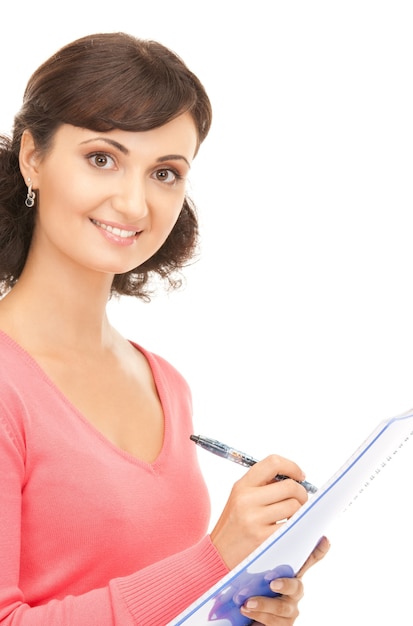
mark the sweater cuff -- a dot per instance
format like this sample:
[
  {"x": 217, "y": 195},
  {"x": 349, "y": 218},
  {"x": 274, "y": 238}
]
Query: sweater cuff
[{"x": 156, "y": 594}]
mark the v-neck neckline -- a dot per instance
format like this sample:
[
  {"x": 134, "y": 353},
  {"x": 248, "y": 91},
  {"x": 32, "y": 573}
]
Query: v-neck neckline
[{"x": 79, "y": 414}]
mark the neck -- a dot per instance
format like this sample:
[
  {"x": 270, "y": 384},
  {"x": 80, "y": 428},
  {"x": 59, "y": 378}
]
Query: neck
[{"x": 68, "y": 311}]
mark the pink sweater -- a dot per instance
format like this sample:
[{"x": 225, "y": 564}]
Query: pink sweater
[{"x": 89, "y": 535}]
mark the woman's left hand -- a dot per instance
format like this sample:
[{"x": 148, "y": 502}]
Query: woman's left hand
[{"x": 283, "y": 610}]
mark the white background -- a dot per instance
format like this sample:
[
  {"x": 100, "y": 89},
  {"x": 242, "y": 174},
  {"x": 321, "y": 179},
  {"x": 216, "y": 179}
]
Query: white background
[{"x": 294, "y": 328}]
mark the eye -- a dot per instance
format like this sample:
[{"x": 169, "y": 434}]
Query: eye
[
  {"x": 101, "y": 160},
  {"x": 167, "y": 176}
]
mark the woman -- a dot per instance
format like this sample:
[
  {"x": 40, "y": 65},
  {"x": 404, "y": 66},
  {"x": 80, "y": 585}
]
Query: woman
[{"x": 103, "y": 510}]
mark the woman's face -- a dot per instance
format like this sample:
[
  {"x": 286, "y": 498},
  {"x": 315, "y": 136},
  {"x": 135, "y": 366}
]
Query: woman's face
[{"x": 107, "y": 201}]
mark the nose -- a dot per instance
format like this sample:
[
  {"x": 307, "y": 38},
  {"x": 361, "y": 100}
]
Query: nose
[{"x": 130, "y": 199}]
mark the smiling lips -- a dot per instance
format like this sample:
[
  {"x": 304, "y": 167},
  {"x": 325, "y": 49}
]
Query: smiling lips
[{"x": 118, "y": 232}]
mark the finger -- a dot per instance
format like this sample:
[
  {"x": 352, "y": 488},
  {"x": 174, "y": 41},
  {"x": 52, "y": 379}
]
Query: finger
[
  {"x": 278, "y": 492},
  {"x": 292, "y": 587},
  {"x": 265, "y": 471},
  {"x": 284, "y": 490},
  {"x": 266, "y": 610},
  {"x": 279, "y": 511},
  {"x": 317, "y": 555}
]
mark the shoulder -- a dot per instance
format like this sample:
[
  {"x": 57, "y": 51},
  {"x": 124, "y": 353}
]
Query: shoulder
[
  {"x": 12, "y": 358},
  {"x": 22, "y": 382},
  {"x": 12, "y": 406},
  {"x": 161, "y": 366},
  {"x": 15, "y": 363},
  {"x": 171, "y": 384}
]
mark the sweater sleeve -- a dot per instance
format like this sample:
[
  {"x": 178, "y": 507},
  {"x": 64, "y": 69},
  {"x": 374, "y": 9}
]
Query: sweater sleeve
[{"x": 152, "y": 596}]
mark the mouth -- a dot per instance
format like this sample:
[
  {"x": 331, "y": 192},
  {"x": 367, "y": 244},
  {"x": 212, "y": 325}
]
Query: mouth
[{"x": 117, "y": 232}]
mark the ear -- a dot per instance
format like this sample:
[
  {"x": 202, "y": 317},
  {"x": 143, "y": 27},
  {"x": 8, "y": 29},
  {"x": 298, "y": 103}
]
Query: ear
[{"x": 29, "y": 158}]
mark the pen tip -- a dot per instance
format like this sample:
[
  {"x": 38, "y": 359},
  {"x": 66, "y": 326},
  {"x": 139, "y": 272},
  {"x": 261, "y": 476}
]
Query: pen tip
[{"x": 194, "y": 438}]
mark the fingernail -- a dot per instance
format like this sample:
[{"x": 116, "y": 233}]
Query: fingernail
[
  {"x": 324, "y": 541},
  {"x": 276, "y": 585},
  {"x": 251, "y": 604}
]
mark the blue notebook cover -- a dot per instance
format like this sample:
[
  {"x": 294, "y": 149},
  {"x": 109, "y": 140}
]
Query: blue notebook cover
[{"x": 285, "y": 551}]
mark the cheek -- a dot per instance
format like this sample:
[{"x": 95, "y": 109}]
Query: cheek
[
  {"x": 64, "y": 184},
  {"x": 167, "y": 212},
  {"x": 172, "y": 221},
  {"x": 65, "y": 198}
]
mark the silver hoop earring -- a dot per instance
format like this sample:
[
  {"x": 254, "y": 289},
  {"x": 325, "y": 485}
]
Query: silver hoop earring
[{"x": 31, "y": 196}]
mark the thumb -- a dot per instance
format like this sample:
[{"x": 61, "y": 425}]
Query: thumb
[{"x": 317, "y": 555}]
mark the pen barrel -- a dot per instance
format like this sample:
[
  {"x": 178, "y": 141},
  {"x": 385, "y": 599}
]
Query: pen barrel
[
  {"x": 307, "y": 486},
  {"x": 240, "y": 457}
]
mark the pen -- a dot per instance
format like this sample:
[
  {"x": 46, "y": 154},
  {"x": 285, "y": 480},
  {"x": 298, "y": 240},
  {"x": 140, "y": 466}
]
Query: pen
[{"x": 226, "y": 452}]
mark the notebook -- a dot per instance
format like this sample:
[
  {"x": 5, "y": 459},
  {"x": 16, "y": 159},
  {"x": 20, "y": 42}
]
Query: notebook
[{"x": 285, "y": 551}]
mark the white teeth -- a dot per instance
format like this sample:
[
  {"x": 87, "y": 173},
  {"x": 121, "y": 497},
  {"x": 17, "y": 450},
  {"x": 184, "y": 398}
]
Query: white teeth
[{"x": 119, "y": 232}]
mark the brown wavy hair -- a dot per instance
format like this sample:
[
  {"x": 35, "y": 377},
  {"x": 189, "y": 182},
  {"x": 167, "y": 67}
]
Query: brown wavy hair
[{"x": 101, "y": 82}]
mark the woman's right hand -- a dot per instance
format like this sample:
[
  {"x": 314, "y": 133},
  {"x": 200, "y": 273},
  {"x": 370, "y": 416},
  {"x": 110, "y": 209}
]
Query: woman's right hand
[{"x": 255, "y": 506}]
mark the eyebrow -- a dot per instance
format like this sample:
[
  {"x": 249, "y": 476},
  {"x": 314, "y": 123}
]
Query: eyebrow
[{"x": 124, "y": 150}]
